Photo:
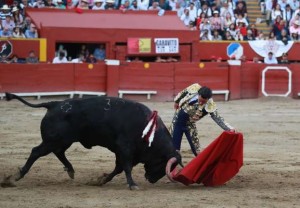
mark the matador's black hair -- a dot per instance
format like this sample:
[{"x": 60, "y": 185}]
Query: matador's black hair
[{"x": 205, "y": 92}]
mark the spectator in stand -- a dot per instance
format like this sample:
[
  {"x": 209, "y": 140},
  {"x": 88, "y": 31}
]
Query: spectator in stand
[
  {"x": 296, "y": 17},
  {"x": 268, "y": 10},
  {"x": 60, "y": 5},
  {"x": 282, "y": 3},
  {"x": 16, "y": 60},
  {"x": 60, "y": 59},
  {"x": 231, "y": 4},
  {"x": 284, "y": 59},
  {"x": 271, "y": 36},
  {"x": 17, "y": 16},
  {"x": 17, "y": 33},
  {"x": 186, "y": 18},
  {"x": 8, "y": 23},
  {"x": 216, "y": 22},
  {"x": 275, "y": 13},
  {"x": 61, "y": 49},
  {"x": 134, "y": 6},
  {"x": 32, "y": 59},
  {"x": 5, "y": 11},
  {"x": 233, "y": 30},
  {"x": 288, "y": 14},
  {"x": 224, "y": 10},
  {"x": 213, "y": 8},
  {"x": 192, "y": 11},
  {"x": 241, "y": 19},
  {"x": 143, "y": 4},
  {"x": 173, "y": 5},
  {"x": 100, "y": 52},
  {"x": 91, "y": 59},
  {"x": 278, "y": 26},
  {"x": 270, "y": 59},
  {"x": 249, "y": 36},
  {"x": 70, "y": 4},
  {"x": 256, "y": 60},
  {"x": 242, "y": 28},
  {"x": 294, "y": 4},
  {"x": 205, "y": 9},
  {"x": 84, "y": 50},
  {"x": 26, "y": 24},
  {"x": 5, "y": 33},
  {"x": 84, "y": 4},
  {"x": 238, "y": 36},
  {"x": 295, "y": 28},
  {"x": 295, "y": 37},
  {"x": 155, "y": 6},
  {"x": 216, "y": 35},
  {"x": 31, "y": 32},
  {"x": 79, "y": 59},
  {"x": 50, "y": 4},
  {"x": 261, "y": 36},
  {"x": 205, "y": 35},
  {"x": 254, "y": 30},
  {"x": 228, "y": 36},
  {"x": 98, "y": 5},
  {"x": 110, "y": 5},
  {"x": 240, "y": 10},
  {"x": 39, "y": 4},
  {"x": 284, "y": 36},
  {"x": 199, "y": 20},
  {"x": 227, "y": 21},
  {"x": 125, "y": 6},
  {"x": 205, "y": 25}
]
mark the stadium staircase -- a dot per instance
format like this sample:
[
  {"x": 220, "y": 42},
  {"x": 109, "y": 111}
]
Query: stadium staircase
[{"x": 254, "y": 14}]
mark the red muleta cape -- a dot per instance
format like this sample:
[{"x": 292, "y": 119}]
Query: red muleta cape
[{"x": 216, "y": 164}]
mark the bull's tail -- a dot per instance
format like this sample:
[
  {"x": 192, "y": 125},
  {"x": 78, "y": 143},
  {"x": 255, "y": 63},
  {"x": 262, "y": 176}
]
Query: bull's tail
[{"x": 10, "y": 96}]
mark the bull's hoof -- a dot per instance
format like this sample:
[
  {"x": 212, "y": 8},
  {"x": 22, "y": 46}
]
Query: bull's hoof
[
  {"x": 134, "y": 187},
  {"x": 71, "y": 173},
  {"x": 7, "y": 183},
  {"x": 18, "y": 175},
  {"x": 100, "y": 181}
]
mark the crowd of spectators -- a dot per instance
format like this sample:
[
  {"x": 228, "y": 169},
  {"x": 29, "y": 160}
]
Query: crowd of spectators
[{"x": 228, "y": 20}]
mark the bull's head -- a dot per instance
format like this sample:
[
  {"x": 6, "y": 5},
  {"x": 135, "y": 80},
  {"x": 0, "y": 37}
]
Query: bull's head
[{"x": 159, "y": 167}]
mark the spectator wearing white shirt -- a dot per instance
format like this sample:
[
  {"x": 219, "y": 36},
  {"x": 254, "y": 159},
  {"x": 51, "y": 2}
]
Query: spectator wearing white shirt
[
  {"x": 60, "y": 59},
  {"x": 186, "y": 18},
  {"x": 294, "y": 4},
  {"x": 205, "y": 9},
  {"x": 143, "y": 4},
  {"x": 98, "y": 5},
  {"x": 288, "y": 14},
  {"x": 192, "y": 10},
  {"x": 270, "y": 59}
]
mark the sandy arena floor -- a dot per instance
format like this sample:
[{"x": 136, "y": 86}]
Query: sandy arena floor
[{"x": 270, "y": 176}]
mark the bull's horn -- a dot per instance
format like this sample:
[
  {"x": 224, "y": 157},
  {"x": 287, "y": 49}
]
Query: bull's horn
[{"x": 168, "y": 168}]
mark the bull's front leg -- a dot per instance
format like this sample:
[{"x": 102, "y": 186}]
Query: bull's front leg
[{"x": 108, "y": 177}]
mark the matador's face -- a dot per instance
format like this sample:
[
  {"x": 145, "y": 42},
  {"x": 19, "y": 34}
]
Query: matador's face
[{"x": 202, "y": 101}]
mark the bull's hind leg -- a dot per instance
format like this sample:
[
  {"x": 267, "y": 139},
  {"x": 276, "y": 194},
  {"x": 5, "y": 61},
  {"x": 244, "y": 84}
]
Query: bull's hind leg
[
  {"x": 68, "y": 166},
  {"x": 37, "y": 152}
]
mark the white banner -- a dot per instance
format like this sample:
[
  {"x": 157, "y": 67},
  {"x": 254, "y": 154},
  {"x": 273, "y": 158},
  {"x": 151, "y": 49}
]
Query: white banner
[
  {"x": 263, "y": 47},
  {"x": 166, "y": 45}
]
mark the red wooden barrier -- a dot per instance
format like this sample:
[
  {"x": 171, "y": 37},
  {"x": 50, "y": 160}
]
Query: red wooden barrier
[
  {"x": 90, "y": 77},
  {"x": 165, "y": 78},
  {"x": 148, "y": 76},
  {"x": 36, "y": 77}
]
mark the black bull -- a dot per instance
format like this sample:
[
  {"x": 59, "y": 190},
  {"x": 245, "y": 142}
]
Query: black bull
[{"x": 114, "y": 123}]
